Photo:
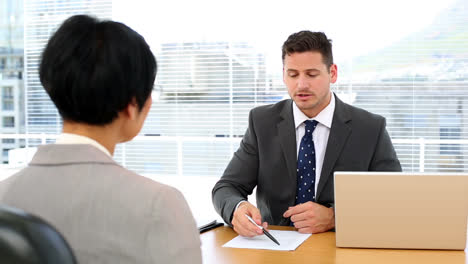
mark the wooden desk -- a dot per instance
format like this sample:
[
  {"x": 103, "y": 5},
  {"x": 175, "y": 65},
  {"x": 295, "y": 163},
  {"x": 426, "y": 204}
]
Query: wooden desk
[{"x": 319, "y": 248}]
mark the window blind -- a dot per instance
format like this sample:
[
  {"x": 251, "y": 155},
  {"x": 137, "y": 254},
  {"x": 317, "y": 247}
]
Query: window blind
[
  {"x": 42, "y": 18},
  {"x": 207, "y": 84},
  {"x": 205, "y": 90}
]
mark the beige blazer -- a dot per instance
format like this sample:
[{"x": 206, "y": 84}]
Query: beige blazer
[{"x": 107, "y": 213}]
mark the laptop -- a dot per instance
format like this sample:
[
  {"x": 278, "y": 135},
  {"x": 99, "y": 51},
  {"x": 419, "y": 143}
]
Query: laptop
[{"x": 401, "y": 210}]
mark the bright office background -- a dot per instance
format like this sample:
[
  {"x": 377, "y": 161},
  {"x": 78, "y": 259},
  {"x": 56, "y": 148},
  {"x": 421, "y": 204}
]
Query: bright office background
[{"x": 405, "y": 60}]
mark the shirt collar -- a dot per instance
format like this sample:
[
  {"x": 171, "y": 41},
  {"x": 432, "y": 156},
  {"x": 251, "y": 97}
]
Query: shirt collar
[
  {"x": 325, "y": 117},
  {"x": 68, "y": 138}
]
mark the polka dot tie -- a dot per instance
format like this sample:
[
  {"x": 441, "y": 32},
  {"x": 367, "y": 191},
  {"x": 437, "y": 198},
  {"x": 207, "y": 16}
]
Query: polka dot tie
[{"x": 306, "y": 165}]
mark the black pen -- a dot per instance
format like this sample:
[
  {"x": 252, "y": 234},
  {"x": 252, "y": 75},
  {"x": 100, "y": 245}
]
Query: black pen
[{"x": 264, "y": 231}]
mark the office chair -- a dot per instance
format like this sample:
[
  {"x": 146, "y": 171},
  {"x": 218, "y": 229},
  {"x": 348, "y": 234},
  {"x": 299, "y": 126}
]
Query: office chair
[{"x": 27, "y": 239}]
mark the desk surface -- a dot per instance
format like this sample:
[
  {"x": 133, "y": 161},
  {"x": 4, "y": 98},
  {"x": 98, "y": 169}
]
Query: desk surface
[{"x": 319, "y": 248}]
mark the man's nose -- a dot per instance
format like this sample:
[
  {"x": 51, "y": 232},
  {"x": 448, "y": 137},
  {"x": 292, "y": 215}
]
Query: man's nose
[{"x": 302, "y": 82}]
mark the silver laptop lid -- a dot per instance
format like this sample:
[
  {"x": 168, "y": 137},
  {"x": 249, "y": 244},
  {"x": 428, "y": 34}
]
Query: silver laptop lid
[{"x": 401, "y": 210}]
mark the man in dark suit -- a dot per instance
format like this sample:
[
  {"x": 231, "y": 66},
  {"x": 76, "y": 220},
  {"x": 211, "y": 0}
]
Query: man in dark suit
[{"x": 292, "y": 148}]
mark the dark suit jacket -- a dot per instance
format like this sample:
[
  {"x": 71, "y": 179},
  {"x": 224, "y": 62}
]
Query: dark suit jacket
[{"x": 267, "y": 158}]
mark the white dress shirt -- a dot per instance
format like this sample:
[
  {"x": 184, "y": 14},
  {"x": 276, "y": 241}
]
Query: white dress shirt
[
  {"x": 68, "y": 138},
  {"x": 320, "y": 134}
]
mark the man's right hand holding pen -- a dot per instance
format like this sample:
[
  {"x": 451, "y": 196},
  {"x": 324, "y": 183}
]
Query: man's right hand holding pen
[{"x": 242, "y": 225}]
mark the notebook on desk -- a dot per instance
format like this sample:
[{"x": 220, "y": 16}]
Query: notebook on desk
[
  {"x": 401, "y": 210},
  {"x": 207, "y": 224}
]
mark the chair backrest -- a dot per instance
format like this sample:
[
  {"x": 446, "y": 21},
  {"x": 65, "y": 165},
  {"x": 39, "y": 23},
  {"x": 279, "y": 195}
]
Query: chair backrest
[{"x": 25, "y": 238}]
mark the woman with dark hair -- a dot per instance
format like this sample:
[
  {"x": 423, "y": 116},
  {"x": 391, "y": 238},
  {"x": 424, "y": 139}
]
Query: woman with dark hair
[{"x": 100, "y": 75}]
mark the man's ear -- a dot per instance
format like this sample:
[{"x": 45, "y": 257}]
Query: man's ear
[
  {"x": 333, "y": 73},
  {"x": 283, "y": 76}
]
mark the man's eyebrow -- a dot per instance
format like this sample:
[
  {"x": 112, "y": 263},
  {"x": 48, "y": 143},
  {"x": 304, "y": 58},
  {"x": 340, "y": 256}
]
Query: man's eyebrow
[{"x": 307, "y": 70}]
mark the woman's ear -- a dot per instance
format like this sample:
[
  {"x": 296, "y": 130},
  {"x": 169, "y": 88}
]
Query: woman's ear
[{"x": 131, "y": 110}]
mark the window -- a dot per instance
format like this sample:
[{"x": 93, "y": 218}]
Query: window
[
  {"x": 42, "y": 17},
  {"x": 8, "y": 121},
  {"x": 221, "y": 64},
  {"x": 207, "y": 84},
  {"x": 19, "y": 62},
  {"x": 5, "y": 153},
  {"x": 8, "y": 105},
  {"x": 7, "y": 98},
  {"x": 7, "y": 93},
  {"x": 8, "y": 140}
]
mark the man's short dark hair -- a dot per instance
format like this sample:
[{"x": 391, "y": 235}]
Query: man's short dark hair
[
  {"x": 303, "y": 41},
  {"x": 93, "y": 69}
]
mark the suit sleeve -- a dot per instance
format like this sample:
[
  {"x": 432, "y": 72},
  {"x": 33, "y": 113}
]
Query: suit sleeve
[
  {"x": 240, "y": 177},
  {"x": 385, "y": 158}
]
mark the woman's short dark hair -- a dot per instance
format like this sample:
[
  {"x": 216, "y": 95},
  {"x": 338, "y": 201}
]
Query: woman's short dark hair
[
  {"x": 303, "y": 41},
  {"x": 93, "y": 69}
]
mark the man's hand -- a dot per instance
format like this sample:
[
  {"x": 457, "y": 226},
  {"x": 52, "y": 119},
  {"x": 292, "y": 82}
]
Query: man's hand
[
  {"x": 311, "y": 217},
  {"x": 242, "y": 225}
]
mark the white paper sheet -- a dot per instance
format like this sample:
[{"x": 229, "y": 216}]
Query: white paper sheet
[{"x": 289, "y": 240}]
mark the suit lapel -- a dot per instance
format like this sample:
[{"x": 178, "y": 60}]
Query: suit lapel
[
  {"x": 339, "y": 133},
  {"x": 287, "y": 137}
]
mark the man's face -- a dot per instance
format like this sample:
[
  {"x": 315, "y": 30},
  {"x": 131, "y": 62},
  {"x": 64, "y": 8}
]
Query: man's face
[{"x": 308, "y": 81}]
